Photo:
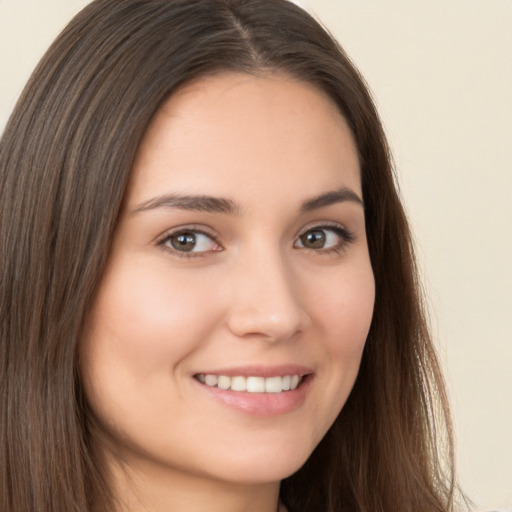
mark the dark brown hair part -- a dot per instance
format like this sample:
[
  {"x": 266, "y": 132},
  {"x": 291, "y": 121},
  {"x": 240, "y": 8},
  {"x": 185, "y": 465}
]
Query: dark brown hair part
[{"x": 65, "y": 159}]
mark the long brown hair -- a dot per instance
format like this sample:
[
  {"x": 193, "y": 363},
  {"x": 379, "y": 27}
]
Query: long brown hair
[{"x": 65, "y": 158}]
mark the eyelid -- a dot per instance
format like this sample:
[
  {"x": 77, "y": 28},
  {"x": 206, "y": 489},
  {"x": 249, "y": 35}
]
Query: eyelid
[
  {"x": 342, "y": 231},
  {"x": 335, "y": 226},
  {"x": 193, "y": 229}
]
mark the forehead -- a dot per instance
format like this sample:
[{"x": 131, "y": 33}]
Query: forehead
[{"x": 229, "y": 133}]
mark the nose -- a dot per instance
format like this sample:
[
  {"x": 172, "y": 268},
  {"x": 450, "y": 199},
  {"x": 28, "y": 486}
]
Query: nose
[{"x": 266, "y": 301}]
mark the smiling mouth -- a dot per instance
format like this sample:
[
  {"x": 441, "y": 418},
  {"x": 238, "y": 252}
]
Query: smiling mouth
[{"x": 251, "y": 384}]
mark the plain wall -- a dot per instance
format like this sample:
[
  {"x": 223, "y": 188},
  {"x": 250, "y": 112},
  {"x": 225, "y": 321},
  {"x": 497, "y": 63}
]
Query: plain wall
[{"x": 441, "y": 73}]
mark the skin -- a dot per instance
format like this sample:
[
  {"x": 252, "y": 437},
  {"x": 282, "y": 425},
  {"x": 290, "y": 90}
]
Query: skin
[{"x": 249, "y": 293}]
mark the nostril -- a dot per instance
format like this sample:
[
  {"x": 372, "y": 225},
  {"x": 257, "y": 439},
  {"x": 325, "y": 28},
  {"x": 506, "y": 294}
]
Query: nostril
[{"x": 273, "y": 327}]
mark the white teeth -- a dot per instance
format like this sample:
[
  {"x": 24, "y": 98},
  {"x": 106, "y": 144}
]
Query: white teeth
[
  {"x": 255, "y": 384},
  {"x": 238, "y": 383},
  {"x": 223, "y": 382},
  {"x": 274, "y": 385},
  {"x": 210, "y": 380},
  {"x": 251, "y": 384}
]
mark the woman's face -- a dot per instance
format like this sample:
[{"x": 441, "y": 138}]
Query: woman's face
[{"x": 239, "y": 270}]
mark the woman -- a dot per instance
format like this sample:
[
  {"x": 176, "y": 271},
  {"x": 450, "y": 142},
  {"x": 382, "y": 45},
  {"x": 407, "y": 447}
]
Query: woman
[{"x": 208, "y": 292}]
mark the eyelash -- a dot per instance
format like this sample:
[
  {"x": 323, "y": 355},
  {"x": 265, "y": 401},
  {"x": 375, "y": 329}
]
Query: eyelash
[
  {"x": 192, "y": 230},
  {"x": 346, "y": 237}
]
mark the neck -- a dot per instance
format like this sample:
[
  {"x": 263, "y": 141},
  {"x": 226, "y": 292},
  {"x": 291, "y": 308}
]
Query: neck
[{"x": 173, "y": 491}]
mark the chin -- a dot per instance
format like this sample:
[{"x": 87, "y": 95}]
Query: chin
[{"x": 259, "y": 465}]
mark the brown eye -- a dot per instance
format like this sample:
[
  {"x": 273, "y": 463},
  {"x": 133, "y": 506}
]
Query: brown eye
[
  {"x": 185, "y": 242},
  {"x": 324, "y": 238},
  {"x": 191, "y": 242},
  {"x": 314, "y": 239}
]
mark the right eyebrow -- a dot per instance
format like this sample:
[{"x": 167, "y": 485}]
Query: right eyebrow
[
  {"x": 198, "y": 203},
  {"x": 339, "y": 195}
]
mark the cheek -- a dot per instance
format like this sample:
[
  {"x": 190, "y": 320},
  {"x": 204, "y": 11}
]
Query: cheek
[
  {"x": 344, "y": 311},
  {"x": 345, "y": 308},
  {"x": 139, "y": 311},
  {"x": 141, "y": 328}
]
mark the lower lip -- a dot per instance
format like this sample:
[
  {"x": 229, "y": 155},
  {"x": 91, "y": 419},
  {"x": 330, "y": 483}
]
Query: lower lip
[{"x": 261, "y": 404}]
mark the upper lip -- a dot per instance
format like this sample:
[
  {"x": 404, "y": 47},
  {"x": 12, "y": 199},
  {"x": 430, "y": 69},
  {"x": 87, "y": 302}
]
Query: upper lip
[{"x": 260, "y": 371}]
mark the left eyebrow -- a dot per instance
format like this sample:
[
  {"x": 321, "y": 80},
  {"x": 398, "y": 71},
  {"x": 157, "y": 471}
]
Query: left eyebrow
[
  {"x": 190, "y": 202},
  {"x": 339, "y": 195}
]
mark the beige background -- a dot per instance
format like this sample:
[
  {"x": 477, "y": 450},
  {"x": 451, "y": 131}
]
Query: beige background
[{"x": 441, "y": 72}]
